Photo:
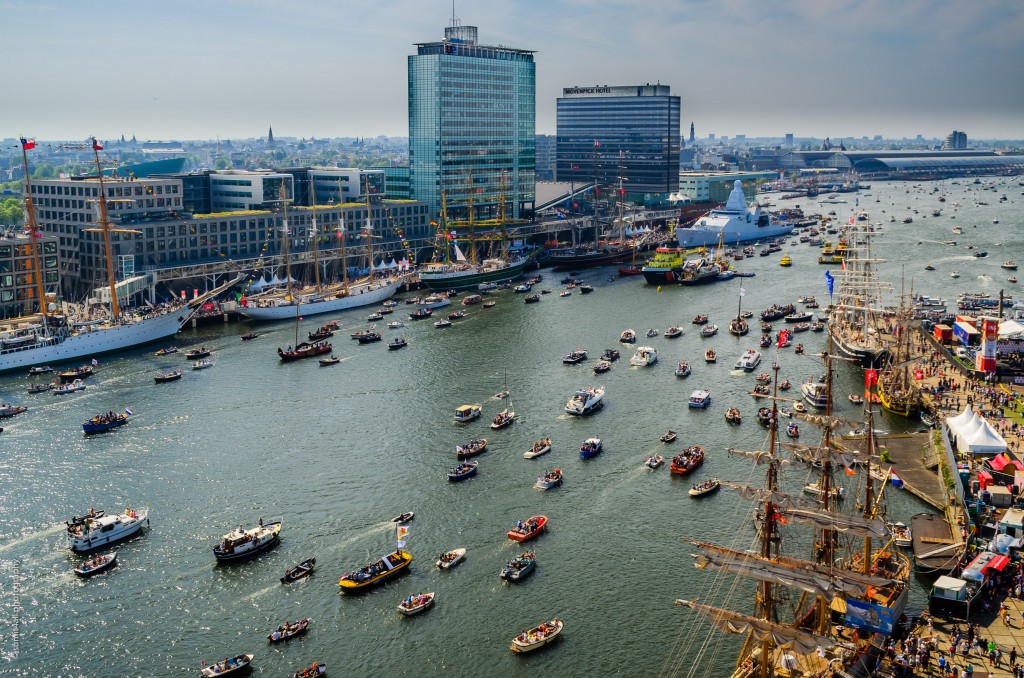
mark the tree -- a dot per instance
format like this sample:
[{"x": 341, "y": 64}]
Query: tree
[
  {"x": 11, "y": 212},
  {"x": 43, "y": 171},
  {"x": 222, "y": 164}
]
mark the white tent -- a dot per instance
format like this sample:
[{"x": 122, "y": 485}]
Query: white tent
[
  {"x": 258, "y": 284},
  {"x": 392, "y": 264},
  {"x": 381, "y": 265},
  {"x": 986, "y": 440},
  {"x": 1011, "y": 329},
  {"x": 957, "y": 423}
]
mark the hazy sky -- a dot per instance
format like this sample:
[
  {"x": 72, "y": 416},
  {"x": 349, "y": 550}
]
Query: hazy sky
[{"x": 190, "y": 69}]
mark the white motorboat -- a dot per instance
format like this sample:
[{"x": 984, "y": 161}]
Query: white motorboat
[
  {"x": 92, "y": 532},
  {"x": 537, "y": 449},
  {"x": 683, "y": 369},
  {"x": 585, "y": 401},
  {"x": 435, "y": 301},
  {"x": 71, "y": 387},
  {"x": 954, "y": 274},
  {"x": 700, "y": 398},
  {"x": 901, "y": 535},
  {"x": 645, "y": 356},
  {"x": 815, "y": 393},
  {"x": 709, "y": 330},
  {"x": 242, "y": 543},
  {"x": 450, "y": 559},
  {"x": 416, "y": 604},
  {"x": 395, "y": 324},
  {"x": 749, "y": 361},
  {"x": 202, "y": 364}
]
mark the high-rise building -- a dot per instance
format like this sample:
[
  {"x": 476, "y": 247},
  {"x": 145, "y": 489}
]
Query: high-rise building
[
  {"x": 472, "y": 120},
  {"x": 692, "y": 137},
  {"x": 628, "y": 131},
  {"x": 789, "y": 140},
  {"x": 955, "y": 141}
]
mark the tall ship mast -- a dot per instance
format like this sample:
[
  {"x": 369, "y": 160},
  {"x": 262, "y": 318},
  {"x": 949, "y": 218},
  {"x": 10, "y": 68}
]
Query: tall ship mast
[
  {"x": 330, "y": 297},
  {"x": 897, "y": 389},
  {"x": 854, "y": 321},
  {"x": 84, "y": 330}
]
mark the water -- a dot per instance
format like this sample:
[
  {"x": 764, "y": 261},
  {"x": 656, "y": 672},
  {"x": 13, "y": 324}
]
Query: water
[{"x": 338, "y": 451}]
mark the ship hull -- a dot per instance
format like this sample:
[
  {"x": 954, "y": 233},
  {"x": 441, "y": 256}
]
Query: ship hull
[
  {"x": 464, "y": 280},
  {"x": 696, "y": 236},
  {"x": 119, "y": 338},
  {"x": 570, "y": 262},
  {"x": 867, "y": 358},
  {"x": 288, "y": 311},
  {"x": 661, "y": 276}
]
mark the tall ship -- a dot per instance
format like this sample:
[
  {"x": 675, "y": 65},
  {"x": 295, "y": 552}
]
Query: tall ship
[
  {"x": 734, "y": 223},
  {"x": 462, "y": 274},
  {"x": 816, "y": 615},
  {"x": 89, "y": 329},
  {"x": 854, "y": 322},
  {"x": 897, "y": 389},
  {"x": 330, "y": 298}
]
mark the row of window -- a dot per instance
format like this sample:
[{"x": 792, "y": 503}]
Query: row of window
[
  {"x": 25, "y": 281},
  {"x": 112, "y": 191}
]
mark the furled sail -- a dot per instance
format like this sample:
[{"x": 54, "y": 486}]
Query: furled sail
[
  {"x": 759, "y": 456},
  {"x": 840, "y": 522},
  {"x": 762, "y": 495},
  {"x": 847, "y": 458},
  {"x": 781, "y": 636}
]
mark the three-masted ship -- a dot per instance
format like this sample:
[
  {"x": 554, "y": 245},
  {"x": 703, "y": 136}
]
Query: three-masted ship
[
  {"x": 898, "y": 390},
  {"x": 855, "y": 319}
]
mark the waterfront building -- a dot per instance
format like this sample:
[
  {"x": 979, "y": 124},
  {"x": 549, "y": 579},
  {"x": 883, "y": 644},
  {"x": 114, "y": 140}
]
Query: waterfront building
[
  {"x": 547, "y": 156},
  {"x": 715, "y": 187},
  {"x": 238, "y": 190},
  {"x": 955, "y": 141},
  {"x": 629, "y": 131},
  {"x": 472, "y": 114},
  {"x": 18, "y": 289}
]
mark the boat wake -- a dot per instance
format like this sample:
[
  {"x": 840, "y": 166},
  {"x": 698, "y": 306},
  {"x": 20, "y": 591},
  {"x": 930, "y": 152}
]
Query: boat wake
[{"x": 29, "y": 538}]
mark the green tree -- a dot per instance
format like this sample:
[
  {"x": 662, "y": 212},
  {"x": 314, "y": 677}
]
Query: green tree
[
  {"x": 43, "y": 171},
  {"x": 222, "y": 164},
  {"x": 11, "y": 212}
]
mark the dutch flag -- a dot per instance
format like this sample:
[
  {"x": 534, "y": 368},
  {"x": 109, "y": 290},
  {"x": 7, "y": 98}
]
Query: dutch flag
[{"x": 128, "y": 411}]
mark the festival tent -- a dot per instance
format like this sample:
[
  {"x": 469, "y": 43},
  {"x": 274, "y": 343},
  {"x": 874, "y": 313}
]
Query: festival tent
[
  {"x": 392, "y": 264},
  {"x": 1011, "y": 329},
  {"x": 258, "y": 284},
  {"x": 984, "y": 440},
  {"x": 956, "y": 423}
]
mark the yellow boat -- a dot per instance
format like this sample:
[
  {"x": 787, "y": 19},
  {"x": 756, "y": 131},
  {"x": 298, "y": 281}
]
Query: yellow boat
[
  {"x": 786, "y": 260},
  {"x": 375, "y": 573}
]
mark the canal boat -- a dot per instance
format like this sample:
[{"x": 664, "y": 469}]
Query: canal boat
[
  {"x": 78, "y": 373},
  {"x": 376, "y": 572},
  {"x": 304, "y": 350},
  {"x": 241, "y": 543},
  {"x": 528, "y": 529}
]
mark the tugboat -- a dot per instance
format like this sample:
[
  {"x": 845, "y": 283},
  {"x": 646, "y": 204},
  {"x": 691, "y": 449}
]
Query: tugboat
[{"x": 242, "y": 543}]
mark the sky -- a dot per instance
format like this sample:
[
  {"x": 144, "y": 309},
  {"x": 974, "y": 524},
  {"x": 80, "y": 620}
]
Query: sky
[{"x": 192, "y": 69}]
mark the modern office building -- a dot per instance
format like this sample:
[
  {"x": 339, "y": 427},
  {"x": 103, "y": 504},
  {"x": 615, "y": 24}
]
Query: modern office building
[
  {"x": 955, "y": 141},
  {"x": 547, "y": 154},
  {"x": 236, "y": 190},
  {"x": 18, "y": 291},
  {"x": 472, "y": 112},
  {"x": 715, "y": 187},
  {"x": 627, "y": 131}
]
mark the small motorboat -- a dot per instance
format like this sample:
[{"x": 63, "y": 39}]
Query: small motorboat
[
  {"x": 798, "y": 349},
  {"x": 333, "y": 360},
  {"x": 586, "y": 289},
  {"x": 77, "y": 373},
  {"x": 764, "y": 416},
  {"x": 249, "y": 336},
  {"x": 471, "y": 449},
  {"x": 70, "y": 387},
  {"x": 565, "y": 293},
  {"x": 45, "y": 369},
  {"x": 602, "y": 366},
  {"x": 197, "y": 353},
  {"x": 575, "y": 357},
  {"x": 202, "y": 364},
  {"x": 652, "y": 333},
  {"x": 799, "y": 407},
  {"x": 502, "y": 419},
  {"x": 610, "y": 354},
  {"x": 929, "y": 267},
  {"x": 766, "y": 341},
  {"x": 901, "y": 535},
  {"x": 710, "y": 356},
  {"x": 733, "y": 416},
  {"x": 700, "y": 320},
  {"x": 322, "y": 334},
  {"x": 539, "y": 448},
  {"x": 42, "y": 388},
  {"x": 466, "y": 413},
  {"x": 528, "y": 529},
  {"x": 288, "y": 631},
  {"x": 422, "y": 313},
  {"x": 404, "y": 518},
  {"x": 668, "y": 437},
  {"x": 457, "y": 315},
  {"x": 793, "y": 431},
  {"x": 537, "y": 637},
  {"x": 450, "y": 559},
  {"x": 317, "y": 669},
  {"x": 490, "y": 304},
  {"x": 300, "y": 571},
  {"x": 549, "y": 479},
  {"x": 704, "y": 488},
  {"x": 856, "y": 399},
  {"x": 395, "y": 324},
  {"x": 416, "y": 604},
  {"x": 590, "y": 448},
  {"x": 1012, "y": 279},
  {"x": 1009, "y": 265},
  {"x": 628, "y": 337},
  {"x": 463, "y": 471},
  {"x": 708, "y": 330},
  {"x": 231, "y": 665},
  {"x": 165, "y": 377},
  {"x": 673, "y": 332},
  {"x": 655, "y": 462},
  {"x": 522, "y": 289},
  {"x": 519, "y": 567},
  {"x": 166, "y": 351},
  {"x": 96, "y": 565},
  {"x": 373, "y": 317},
  {"x": 532, "y": 298},
  {"x": 683, "y": 369},
  {"x": 101, "y": 422},
  {"x": 443, "y": 323},
  {"x": 687, "y": 460}
]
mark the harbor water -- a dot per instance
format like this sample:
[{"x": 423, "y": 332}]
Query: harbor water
[{"x": 338, "y": 451}]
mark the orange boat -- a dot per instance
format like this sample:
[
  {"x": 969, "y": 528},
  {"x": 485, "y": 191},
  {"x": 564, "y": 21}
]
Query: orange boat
[
  {"x": 528, "y": 529},
  {"x": 687, "y": 461}
]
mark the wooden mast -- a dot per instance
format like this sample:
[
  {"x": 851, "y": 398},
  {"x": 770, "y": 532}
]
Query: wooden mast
[
  {"x": 115, "y": 310},
  {"x": 472, "y": 225},
  {"x": 369, "y": 232},
  {"x": 341, "y": 233},
  {"x": 31, "y": 210},
  {"x": 769, "y": 527},
  {"x": 316, "y": 234},
  {"x": 501, "y": 212}
]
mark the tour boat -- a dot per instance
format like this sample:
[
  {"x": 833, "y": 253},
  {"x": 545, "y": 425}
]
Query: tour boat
[
  {"x": 655, "y": 462},
  {"x": 164, "y": 377},
  {"x": 548, "y": 480},
  {"x": 300, "y": 571},
  {"x": 450, "y": 559},
  {"x": 471, "y": 449},
  {"x": 537, "y": 449},
  {"x": 70, "y": 387},
  {"x": 241, "y": 543},
  {"x": 231, "y": 665},
  {"x": 91, "y": 532},
  {"x": 627, "y": 337},
  {"x": 687, "y": 460},
  {"x": 645, "y": 356},
  {"x": 96, "y": 565},
  {"x": 519, "y": 567},
  {"x": 466, "y": 413},
  {"x": 527, "y": 530},
  {"x": 700, "y": 398},
  {"x": 288, "y": 631},
  {"x": 749, "y": 361},
  {"x": 333, "y": 360},
  {"x": 590, "y": 448},
  {"x": 416, "y": 604},
  {"x": 710, "y": 356},
  {"x": 683, "y": 369},
  {"x": 463, "y": 471},
  {"x": 537, "y": 637},
  {"x": 104, "y": 422},
  {"x": 585, "y": 401},
  {"x": 702, "y": 489},
  {"x": 376, "y": 572}
]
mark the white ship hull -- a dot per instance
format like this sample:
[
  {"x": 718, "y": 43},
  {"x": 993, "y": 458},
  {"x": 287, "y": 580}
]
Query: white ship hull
[
  {"x": 287, "y": 311},
  {"x": 89, "y": 344},
  {"x": 734, "y": 232}
]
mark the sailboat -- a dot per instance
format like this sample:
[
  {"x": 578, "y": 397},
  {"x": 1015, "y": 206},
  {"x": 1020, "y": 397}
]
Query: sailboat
[
  {"x": 324, "y": 299},
  {"x": 898, "y": 391},
  {"x": 854, "y": 320},
  {"x": 841, "y": 603},
  {"x": 738, "y": 326},
  {"x": 463, "y": 274},
  {"x": 632, "y": 268},
  {"x": 53, "y": 336},
  {"x": 506, "y": 417}
]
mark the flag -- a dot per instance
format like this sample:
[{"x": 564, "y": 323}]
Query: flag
[
  {"x": 743, "y": 292},
  {"x": 96, "y": 145},
  {"x": 850, "y": 471},
  {"x": 597, "y": 143},
  {"x": 783, "y": 337},
  {"x": 851, "y": 220},
  {"x": 128, "y": 411},
  {"x": 919, "y": 375},
  {"x": 28, "y": 144},
  {"x": 829, "y": 282},
  {"x": 95, "y": 362},
  {"x": 896, "y": 480},
  {"x": 870, "y": 378}
]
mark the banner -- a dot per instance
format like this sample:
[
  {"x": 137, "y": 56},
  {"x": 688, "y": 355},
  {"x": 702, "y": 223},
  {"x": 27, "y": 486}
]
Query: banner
[
  {"x": 870, "y": 378},
  {"x": 829, "y": 282},
  {"x": 869, "y": 617}
]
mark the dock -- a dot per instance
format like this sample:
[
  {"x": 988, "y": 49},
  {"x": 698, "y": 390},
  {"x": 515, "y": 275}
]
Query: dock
[{"x": 913, "y": 458}]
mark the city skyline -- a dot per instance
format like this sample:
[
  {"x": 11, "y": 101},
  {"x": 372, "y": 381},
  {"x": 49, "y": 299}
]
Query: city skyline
[{"x": 315, "y": 68}]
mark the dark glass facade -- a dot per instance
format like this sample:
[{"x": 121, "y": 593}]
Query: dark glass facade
[
  {"x": 472, "y": 119},
  {"x": 610, "y": 132}
]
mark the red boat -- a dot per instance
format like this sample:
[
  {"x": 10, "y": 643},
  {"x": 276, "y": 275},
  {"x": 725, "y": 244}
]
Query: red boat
[
  {"x": 688, "y": 460},
  {"x": 629, "y": 270},
  {"x": 528, "y": 529},
  {"x": 305, "y": 350}
]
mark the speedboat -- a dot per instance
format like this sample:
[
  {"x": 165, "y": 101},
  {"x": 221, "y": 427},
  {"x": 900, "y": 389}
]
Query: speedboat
[
  {"x": 575, "y": 357},
  {"x": 590, "y": 448},
  {"x": 683, "y": 369},
  {"x": 96, "y": 565},
  {"x": 549, "y": 479},
  {"x": 537, "y": 637},
  {"x": 704, "y": 488},
  {"x": 70, "y": 387},
  {"x": 92, "y": 532},
  {"x": 450, "y": 559},
  {"x": 700, "y": 319},
  {"x": 655, "y": 462},
  {"x": 241, "y": 543},
  {"x": 709, "y": 330},
  {"x": 202, "y": 364},
  {"x": 300, "y": 571},
  {"x": 539, "y": 448},
  {"x": 463, "y": 471},
  {"x": 519, "y": 567},
  {"x": 687, "y": 460},
  {"x": 466, "y": 413},
  {"x": 645, "y": 356},
  {"x": 700, "y": 398},
  {"x": 749, "y": 361},
  {"x": 376, "y": 572},
  {"x": 628, "y": 337},
  {"x": 416, "y": 604},
  {"x": 288, "y": 631},
  {"x": 528, "y": 529},
  {"x": 585, "y": 401},
  {"x": 231, "y": 665},
  {"x": 673, "y": 332}
]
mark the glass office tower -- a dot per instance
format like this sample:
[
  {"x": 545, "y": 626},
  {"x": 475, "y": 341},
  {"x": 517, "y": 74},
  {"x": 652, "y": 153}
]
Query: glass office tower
[
  {"x": 610, "y": 132},
  {"x": 472, "y": 113}
]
